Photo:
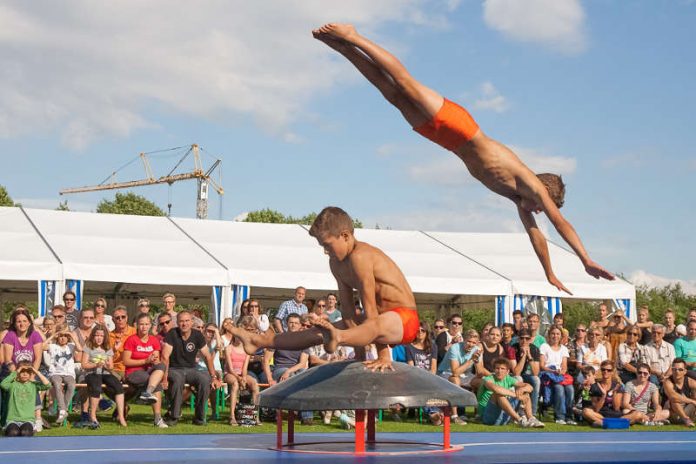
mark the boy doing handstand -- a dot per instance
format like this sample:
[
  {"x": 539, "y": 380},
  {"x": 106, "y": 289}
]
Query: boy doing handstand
[
  {"x": 451, "y": 126},
  {"x": 390, "y": 308}
]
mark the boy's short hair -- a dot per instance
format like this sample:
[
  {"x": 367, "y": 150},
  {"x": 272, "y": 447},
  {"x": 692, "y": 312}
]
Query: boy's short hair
[
  {"x": 555, "y": 186},
  {"x": 24, "y": 366},
  {"x": 471, "y": 333},
  {"x": 587, "y": 370},
  {"x": 332, "y": 221},
  {"x": 501, "y": 362}
]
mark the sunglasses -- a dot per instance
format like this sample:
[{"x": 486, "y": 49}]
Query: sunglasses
[
  {"x": 456, "y": 323},
  {"x": 99, "y": 306},
  {"x": 59, "y": 316},
  {"x": 581, "y": 330},
  {"x": 165, "y": 322},
  {"x": 604, "y": 369},
  {"x": 525, "y": 338},
  {"x": 88, "y": 317},
  {"x": 321, "y": 305},
  {"x": 68, "y": 299},
  {"x": 635, "y": 334},
  {"x": 439, "y": 327},
  {"x": 422, "y": 331},
  {"x": 118, "y": 318}
]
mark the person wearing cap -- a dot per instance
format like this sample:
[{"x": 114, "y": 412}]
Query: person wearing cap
[{"x": 685, "y": 348}]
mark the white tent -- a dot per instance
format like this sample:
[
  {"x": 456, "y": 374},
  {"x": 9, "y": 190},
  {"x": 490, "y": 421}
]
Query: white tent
[{"x": 137, "y": 252}]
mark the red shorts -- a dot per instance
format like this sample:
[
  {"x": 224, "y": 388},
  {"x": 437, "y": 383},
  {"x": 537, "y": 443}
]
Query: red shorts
[
  {"x": 409, "y": 322},
  {"x": 451, "y": 127}
]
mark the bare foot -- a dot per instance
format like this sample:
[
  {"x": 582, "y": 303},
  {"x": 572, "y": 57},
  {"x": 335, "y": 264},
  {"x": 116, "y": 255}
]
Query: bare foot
[
  {"x": 246, "y": 337},
  {"x": 329, "y": 333},
  {"x": 340, "y": 31}
]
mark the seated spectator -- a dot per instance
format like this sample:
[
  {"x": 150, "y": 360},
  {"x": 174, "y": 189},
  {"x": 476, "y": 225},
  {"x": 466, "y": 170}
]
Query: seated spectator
[
  {"x": 534, "y": 321},
  {"x": 59, "y": 356},
  {"x": 47, "y": 327},
  {"x": 144, "y": 369},
  {"x": 449, "y": 337},
  {"x": 518, "y": 320},
  {"x": 680, "y": 391},
  {"x": 422, "y": 353},
  {"x": 22, "y": 393},
  {"x": 491, "y": 350},
  {"x": 527, "y": 367},
  {"x": 574, "y": 347},
  {"x": 685, "y": 349},
  {"x": 217, "y": 350},
  {"x": 142, "y": 307},
  {"x": 582, "y": 398},
  {"x": 641, "y": 394},
  {"x": 507, "y": 331},
  {"x": 645, "y": 325},
  {"x": 80, "y": 336},
  {"x": 458, "y": 365},
  {"x": 594, "y": 353},
  {"x": 118, "y": 337},
  {"x": 332, "y": 311},
  {"x": 100, "y": 316},
  {"x": 169, "y": 300},
  {"x": 164, "y": 324},
  {"x": 630, "y": 354},
  {"x": 259, "y": 314},
  {"x": 72, "y": 312},
  {"x": 670, "y": 327},
  {"x": 287, "y": 363},
  {"x": 486, "y": 328},
  {"x": 659, "y": 355},
  {"x": 607, "y": 398},
  {"x": 500, "y": 395},
  {"x": 97, "y": 364},
  {"x": 558, "y": 321},
  {"x": 181, "y": 347},
  {"x": 237, "y": 375},
  {"x": 554, "y": 365},
  {"x": 225, "y": 331}
]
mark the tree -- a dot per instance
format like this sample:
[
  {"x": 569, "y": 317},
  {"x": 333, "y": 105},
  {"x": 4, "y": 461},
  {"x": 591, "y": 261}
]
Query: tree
[
  {"x": 5, "y": 199},
  {"x": 129, "y": 203},
  {"x": 63, "y": 206},
  {"x": 271, "y": 216}
]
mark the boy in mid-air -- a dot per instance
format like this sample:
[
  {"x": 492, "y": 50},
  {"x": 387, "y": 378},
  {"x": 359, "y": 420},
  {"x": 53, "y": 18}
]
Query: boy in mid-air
[
  {"x": 451, "y": 126},
  {"x": 390, "y": 308}
]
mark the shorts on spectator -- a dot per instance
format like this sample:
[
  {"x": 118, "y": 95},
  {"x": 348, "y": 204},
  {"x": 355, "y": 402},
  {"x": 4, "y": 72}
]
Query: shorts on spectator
[
  {"x": 465, "y": 379},
  {"x": 494, "y": 415}
]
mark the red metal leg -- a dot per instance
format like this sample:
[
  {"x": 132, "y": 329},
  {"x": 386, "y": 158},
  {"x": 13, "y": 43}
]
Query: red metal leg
[
  {"x": 291, "y": 427},
  {"x": 360, "y": 431},
  {"x": 371, "y": 425},
  {"x": 279, "y": 428},
  {"x": 446, "y": 429}
]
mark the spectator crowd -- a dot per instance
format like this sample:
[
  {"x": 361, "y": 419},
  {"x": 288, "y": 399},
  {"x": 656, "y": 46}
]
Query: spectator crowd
[{"x": 92, "y": 359}]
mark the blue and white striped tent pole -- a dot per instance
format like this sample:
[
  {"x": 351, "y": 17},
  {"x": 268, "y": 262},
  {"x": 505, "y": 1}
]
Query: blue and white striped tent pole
[
  {"x": 239, "y": 294},
  {"x": 625, "y": 305},
  {"x": 48, "y": 295},
  {"x": 215, "y": 315},
  {"x": 552, "y": 303},
  {"x": 502, "y": 311}
]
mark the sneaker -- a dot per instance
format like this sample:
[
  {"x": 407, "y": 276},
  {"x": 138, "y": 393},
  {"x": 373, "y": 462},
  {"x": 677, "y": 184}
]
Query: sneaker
[
  {"x": 105, "y": 404},
  {"x": 198, "y": 422},
  {"x": 346, "y": 421},
  {"x": 327, "y": 417},
  {"x": 561, "y": 422},
  {"x": 536, "y": 423},
  {"x": 571, "y": 422},
  {"x": 61, "y": 417},
  {"x": 148, "y": 398},
  {"x": 458, "y": 420},
  {"x": 38, "y": 426},
  {"x": 93, "y": 425},
  {"x": 161, "y": 424},
  {"x": 523, "y": 422}
]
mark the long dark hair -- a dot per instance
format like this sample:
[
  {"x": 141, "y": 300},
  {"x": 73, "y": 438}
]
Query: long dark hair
[
  {"x": 93, "y": 344},
  {"x": 21, "y": 311},
  {"x": 427, "y": 343}
]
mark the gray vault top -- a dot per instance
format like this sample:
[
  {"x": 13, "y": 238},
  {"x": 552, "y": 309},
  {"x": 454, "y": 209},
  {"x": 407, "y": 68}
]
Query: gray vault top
[{"x": 348, "y": 385}]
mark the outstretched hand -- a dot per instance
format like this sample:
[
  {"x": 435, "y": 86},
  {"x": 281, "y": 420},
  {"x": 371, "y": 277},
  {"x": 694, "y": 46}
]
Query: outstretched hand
[
  {"x": 380, "y": 365},
  {"x": 597, "y": 271},
  {"x": 553, "y": 280}
]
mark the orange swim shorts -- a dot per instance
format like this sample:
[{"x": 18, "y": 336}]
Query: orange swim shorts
[
  {"x": 451, "y": 127},
  {"x": 409, "y": 322}
]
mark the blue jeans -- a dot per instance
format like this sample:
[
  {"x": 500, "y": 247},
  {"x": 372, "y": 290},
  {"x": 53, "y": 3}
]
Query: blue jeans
[
  {"x": 278, "y": 373},
  {"x": 494, "y": 414},
  {"x": 534, "y": 381},
  {"x": 563, "y": 397}
]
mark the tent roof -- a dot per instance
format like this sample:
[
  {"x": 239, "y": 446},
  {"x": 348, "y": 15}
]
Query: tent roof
[
  {"x": 123, "y": 248},
  {"x": 23, "y": 254}
]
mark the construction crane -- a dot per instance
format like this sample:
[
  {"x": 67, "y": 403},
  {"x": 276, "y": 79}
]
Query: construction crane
[{"x": 203, "y": 176}]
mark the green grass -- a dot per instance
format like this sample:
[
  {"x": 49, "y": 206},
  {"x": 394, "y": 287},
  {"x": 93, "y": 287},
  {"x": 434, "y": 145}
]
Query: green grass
[{"x": 140, "y": 423}]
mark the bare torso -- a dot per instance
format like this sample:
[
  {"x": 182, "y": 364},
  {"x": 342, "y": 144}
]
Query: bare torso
[
  {"x": 498, "y": 168},
  {"x": 391, "y": 290}
]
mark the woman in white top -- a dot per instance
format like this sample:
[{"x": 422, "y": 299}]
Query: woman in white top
[
  {"x": 261, "y": 318},
  {"x": 594, "y": 352},
  {"x": 554, "y": 359},
  {"x": 100, "y": 316}
]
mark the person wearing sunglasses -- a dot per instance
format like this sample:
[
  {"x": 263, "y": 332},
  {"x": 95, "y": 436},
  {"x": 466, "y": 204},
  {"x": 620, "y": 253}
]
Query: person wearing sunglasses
[
  {"x": 458, "y": 365},
  {"x": 574, "y": 346},
  {"x": 72, "y": 312},
  {"x": 449, "y": 337},
  {"x": 117, "y": 339},
  {"x": 100, "y": 316},
  {"x": 630, "y": 354},
  {"x": 680, "y": 391},
  {"x": 607, "y": 398},
  {"x": 641, "y": 394}
]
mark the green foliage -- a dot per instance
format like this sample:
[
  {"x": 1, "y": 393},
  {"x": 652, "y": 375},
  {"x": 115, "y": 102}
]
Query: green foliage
[
  {"x": 579, "y": 313},
  {"x": 659, "y": 299},
  {"x": 63, "y": 206},
  {"x": 129, "y": 203},
  {"x": 271, "y": 216},
  {"x": 5, "y": 199}
]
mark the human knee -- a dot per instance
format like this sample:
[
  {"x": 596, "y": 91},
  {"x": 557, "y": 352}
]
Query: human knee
[
  {"x": 26, "y": 430},
  {"x": 12, "y": 430}
]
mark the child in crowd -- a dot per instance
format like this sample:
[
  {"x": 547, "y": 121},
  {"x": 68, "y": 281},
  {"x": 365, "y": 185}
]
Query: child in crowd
[
  {"x": 582, "y": 398},
  {"x": 97, "y": 362},
  {"x": 59, "y": 356},
  {"x": 389, "y": 304},
  {"x": 22, "y": 392}
]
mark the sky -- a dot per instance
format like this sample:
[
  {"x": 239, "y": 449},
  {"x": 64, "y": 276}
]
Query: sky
[{"x": 602, "y": 92}]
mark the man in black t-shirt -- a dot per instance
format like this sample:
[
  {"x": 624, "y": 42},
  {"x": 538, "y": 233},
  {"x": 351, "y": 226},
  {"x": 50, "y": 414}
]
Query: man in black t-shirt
[{"x": 181, "y": 345}]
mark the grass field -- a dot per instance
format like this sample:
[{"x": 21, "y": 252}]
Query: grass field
[{"x": 140, "y": 423}]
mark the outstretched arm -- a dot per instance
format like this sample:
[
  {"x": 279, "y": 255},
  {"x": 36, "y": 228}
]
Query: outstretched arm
[{"x": 540, "y": 247}]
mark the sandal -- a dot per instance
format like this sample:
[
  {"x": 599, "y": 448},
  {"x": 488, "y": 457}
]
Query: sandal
[{"x": 233, "y": 422}]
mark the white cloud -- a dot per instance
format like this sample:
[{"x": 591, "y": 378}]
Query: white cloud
[
  {"x": 92, "y": 70},
  {"x": 539, "y": 162},
  {"x": 641, "y": 277},
  {"x": 491, "y": 99},
  {"x": 557, "y": 24},
  {"x": 631, "y": 160},
  {"x": 463, "y": 219},
  {"x": 442, "y": 170}
]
